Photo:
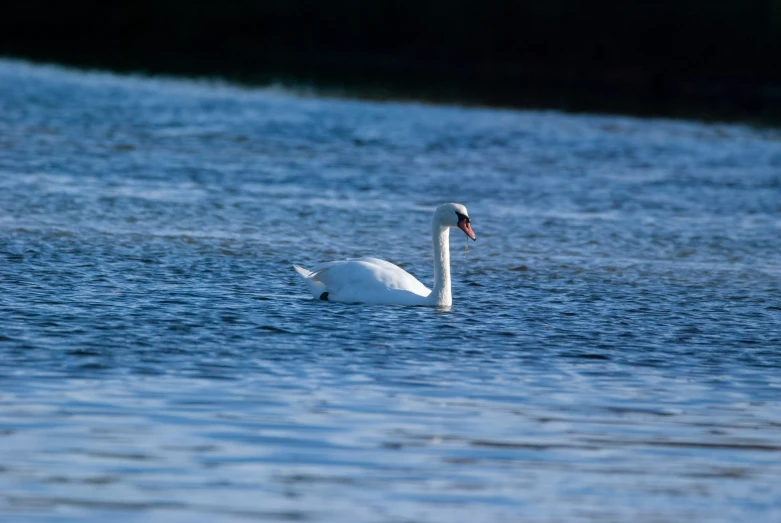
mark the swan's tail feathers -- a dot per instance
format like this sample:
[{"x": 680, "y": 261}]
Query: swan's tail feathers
[
  {"x": 316, "y": 288},
  {"x": 303, "y": 272}
]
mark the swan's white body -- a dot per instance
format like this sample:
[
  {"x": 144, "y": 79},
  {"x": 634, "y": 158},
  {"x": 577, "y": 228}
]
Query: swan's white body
[{"x": 369, "y": 280}]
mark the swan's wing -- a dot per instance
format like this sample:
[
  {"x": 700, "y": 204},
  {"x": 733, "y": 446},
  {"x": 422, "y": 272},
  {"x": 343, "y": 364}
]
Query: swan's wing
[
  {"x": 369, "y": 280},
  {"x": 322, "y": 266},
  {"x": 385, "y": 265}
]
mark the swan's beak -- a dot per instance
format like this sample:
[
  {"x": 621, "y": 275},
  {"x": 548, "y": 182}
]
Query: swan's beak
[{"x": 464, "y": 226}]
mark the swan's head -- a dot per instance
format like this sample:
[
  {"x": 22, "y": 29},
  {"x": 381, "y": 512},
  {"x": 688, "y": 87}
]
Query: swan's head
[{"x": 454, "y": 215}]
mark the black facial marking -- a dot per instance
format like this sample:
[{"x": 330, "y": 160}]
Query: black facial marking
[
  {"x": 324, "y": 296},
  {"x": 462, "y": 217}
]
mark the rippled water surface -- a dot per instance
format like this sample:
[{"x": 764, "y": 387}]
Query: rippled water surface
[{"x": 613, "y": 352}]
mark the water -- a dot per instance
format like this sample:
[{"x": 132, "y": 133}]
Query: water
[{"x": 613, "y": 352}]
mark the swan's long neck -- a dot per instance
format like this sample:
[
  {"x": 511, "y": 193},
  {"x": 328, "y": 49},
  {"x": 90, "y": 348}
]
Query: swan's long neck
[{"x": 440, "y": 295}]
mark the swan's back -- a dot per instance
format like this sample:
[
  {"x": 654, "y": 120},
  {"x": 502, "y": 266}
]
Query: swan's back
[{"x": 365, "y": 280}]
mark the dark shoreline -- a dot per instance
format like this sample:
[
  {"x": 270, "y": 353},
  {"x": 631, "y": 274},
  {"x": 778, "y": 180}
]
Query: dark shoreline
[
  {"x": 704, "y": 102},
  {"x": 685, "y": 59}
]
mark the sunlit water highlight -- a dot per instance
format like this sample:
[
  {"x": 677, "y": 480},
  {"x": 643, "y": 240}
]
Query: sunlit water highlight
[{"x": 613, "y": 352}]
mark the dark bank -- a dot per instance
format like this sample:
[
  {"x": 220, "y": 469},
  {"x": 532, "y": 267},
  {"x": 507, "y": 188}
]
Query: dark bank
[{"x": 691, "y": 58}]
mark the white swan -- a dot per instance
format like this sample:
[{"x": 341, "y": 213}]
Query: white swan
[{"x": 369, "y": 280}]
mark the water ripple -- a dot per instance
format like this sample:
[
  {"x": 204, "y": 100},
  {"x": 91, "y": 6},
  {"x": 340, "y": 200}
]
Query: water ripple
[{"x": 611, "y": 354}]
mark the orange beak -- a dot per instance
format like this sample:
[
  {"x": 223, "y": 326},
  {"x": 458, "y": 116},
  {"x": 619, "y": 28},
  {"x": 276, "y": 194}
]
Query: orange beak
[{"x": 464, "y": 226}]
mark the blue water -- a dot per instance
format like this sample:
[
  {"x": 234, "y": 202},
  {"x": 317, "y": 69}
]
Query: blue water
[{"x": 613, "y": 352}]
